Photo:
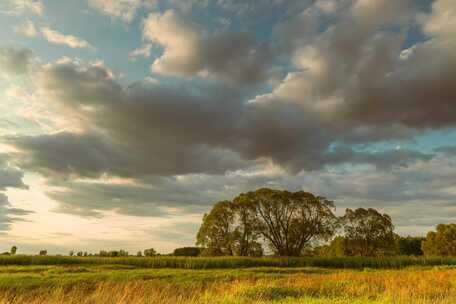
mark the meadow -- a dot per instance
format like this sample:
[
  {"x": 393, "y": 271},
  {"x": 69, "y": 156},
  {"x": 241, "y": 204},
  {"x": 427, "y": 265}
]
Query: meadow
[{"x": 48, "y": 279}]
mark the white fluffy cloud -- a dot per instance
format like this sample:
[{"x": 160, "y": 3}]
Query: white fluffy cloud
[{"x": 54, "y": 36}]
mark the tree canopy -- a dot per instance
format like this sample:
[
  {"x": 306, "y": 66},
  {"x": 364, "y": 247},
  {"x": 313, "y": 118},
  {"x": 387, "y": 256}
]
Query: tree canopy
[
  {"x": 441, "y": 242},
  {"x": 368, "y": 232},
  {"x": 285, "y": 222}
]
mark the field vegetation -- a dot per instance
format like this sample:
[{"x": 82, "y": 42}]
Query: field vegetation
[{"x": 110, "y": 283}]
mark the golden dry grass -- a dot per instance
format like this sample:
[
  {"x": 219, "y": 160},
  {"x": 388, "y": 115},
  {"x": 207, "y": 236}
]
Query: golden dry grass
[{"x": 406, "y": 286}]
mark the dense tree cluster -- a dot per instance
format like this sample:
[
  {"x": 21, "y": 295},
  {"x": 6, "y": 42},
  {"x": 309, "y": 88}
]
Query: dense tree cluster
[
  {"x": 285, "y": 222},
  {"x": 441, "y": 242},
  {"x": 299, "y": 223}
]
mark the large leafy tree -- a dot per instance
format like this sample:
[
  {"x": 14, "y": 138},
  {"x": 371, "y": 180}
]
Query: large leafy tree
[
  {"x": 441, "y": 242},
  {"x": 288, "y": 221},
  {"x": 285, "y": 221},
  {"x": 368, "y": 232}
]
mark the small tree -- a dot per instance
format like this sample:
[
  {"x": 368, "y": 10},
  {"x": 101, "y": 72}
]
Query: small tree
[
  {"x": 43, "y": 252},
  {"x": 13, "y": 250},
  {"x": 139, "y": 254},
  {"x": 71, "y": 253},
  {"x": 442, "y": 242},
  {"x": 368, "y": 232},
  {"x": 150, "y": 252}
]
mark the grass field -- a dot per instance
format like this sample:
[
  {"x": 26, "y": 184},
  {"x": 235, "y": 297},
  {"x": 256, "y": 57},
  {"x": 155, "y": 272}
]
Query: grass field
[{"x": 119, "y": 282}]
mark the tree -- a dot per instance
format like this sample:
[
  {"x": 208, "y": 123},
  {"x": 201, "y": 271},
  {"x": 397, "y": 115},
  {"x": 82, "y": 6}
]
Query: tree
[
  {"x": 150, "y": 252},
  {"x": 216, "y": 233},
  {"x": 368, "y": 232},
  {"x": 13, "y": 250},
  {"x": 187, "y": 251},
  {"x": 43, "y": 252},
  {"x": 289, "y": 221},
  {"x": 442, "y": 242},
  {"x": 336, "y": 248},
  {"x": 139, "y": 254},
  {"x": 409, "y": 245},
  {"x": 71, "y": 252}
]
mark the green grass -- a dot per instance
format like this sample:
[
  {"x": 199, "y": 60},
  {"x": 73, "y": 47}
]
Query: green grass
[{"x": 233, "y": 262}]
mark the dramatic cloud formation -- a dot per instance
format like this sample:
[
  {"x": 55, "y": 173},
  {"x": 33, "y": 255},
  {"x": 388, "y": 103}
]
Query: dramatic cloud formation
[
  {"x": 351, "y": 99},
  {"x": 188, "y": 52}
]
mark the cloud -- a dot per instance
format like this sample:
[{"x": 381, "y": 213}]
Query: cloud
[
  {"x": 355, "y": 76},
  {"x": 234, "y": 57},
  {"x": 71, "y": 41},
  {"x": 27, "y": 28},
  {"x": 208, "y": 136},
  {"x": 22, "y": 7},
  {"x": 8, "y": 214},
  {"x": 10, "y": 177},
  {"x": 442, "y": 20},
  {"x": 125, "y": 10},
  {"x": 143, "y": 51},
  {"x": 15, "y": 61}
]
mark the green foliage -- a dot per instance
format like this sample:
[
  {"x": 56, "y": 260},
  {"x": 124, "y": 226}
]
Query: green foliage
[
  {"x": 13, "y": 250},
  {"x": 409, "y": 245},
  {"x": 286, "y": 221},
  {"x": 368, "y": 233},
  {"x": 336, "y": 248},
  {"x": 43, "y": 252},
  {"x": 216, "y": 233},
  {"x": 188, "y": 251},
  {"x": 150, "y": 252},
  {"x": 442, "y": 242}
]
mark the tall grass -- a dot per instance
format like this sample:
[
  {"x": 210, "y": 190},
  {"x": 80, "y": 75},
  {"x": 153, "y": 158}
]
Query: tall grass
[
  {"x": 233, "y": 262},
  {"x": 409, "y": 286}
]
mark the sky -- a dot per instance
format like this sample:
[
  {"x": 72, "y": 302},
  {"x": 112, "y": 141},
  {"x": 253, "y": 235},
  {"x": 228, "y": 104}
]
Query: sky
[{"x": 123, "y": 121}]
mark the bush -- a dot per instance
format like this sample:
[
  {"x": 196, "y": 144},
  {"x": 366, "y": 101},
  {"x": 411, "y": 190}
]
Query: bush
[{"x": 188, "y": 251}]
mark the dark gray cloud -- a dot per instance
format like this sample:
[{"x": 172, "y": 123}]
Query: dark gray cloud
[
  {"x": 8, "y": 214},
  {"x": 139, "y": 130},
  {"x": 447, "y": 150},
  {"x": 10, "y": 177},
  {"x": 15, "y": 61}
]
